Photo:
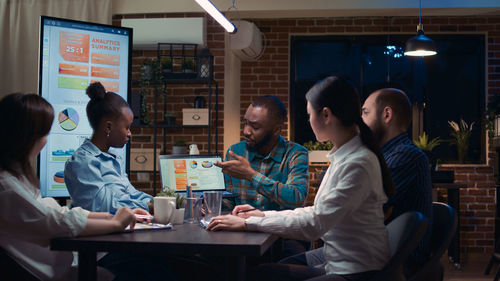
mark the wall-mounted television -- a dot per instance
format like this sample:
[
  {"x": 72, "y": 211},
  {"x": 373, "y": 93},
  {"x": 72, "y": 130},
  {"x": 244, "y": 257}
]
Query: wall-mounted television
[{"x": 74, "y": 54}]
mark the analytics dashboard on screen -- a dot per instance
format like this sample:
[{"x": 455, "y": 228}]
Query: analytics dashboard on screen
[{"x": 74, "y": 54}]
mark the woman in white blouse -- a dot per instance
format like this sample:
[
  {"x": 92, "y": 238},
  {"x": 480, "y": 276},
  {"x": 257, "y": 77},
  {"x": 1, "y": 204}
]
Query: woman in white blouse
[
  {"x": 27, "y": 221},
  {"x": 348, "y": 209}
]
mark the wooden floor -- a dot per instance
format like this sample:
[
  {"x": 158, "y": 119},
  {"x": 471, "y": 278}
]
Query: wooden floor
[{"x": 473, "y": 267}]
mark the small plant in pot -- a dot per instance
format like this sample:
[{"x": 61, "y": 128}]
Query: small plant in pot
[
  {"x": 188, "y": 65},
  {"x": 166, "y": 64},
  {"x": 167, "y": 192},
  {"x": 318, "y": 151},
  {"x": 179, "y": 147},
  {"x": 492, "y": 113},
  {"x": 170, "y": 118},
  {"x": 427, "y": 146},
  {"x": 461, "y": 132},
  {"x": 178, "y": 217}
]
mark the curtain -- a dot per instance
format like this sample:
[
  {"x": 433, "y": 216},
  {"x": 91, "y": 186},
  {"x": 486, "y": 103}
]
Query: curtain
[{"x": 19, "y": 36}]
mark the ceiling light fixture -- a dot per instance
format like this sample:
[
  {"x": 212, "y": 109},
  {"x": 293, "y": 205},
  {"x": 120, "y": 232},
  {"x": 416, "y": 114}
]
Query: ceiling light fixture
[
  {"x": 420, "y": 45},
  {"x": 217, "y": 15}
]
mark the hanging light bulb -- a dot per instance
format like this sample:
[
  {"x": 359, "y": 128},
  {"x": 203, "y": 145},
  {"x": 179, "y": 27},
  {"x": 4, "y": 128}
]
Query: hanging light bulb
[{"x": 420, "y": 45}]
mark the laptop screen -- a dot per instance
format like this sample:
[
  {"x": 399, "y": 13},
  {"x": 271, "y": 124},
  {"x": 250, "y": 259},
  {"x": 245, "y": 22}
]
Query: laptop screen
[{"x": 199, "y": 171}]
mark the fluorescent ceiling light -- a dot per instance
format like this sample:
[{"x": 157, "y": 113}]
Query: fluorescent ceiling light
[{"x": 217, "y": 15}]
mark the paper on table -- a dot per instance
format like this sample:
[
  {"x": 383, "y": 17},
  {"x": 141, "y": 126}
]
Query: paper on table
[{"x": 148, "y": 226}]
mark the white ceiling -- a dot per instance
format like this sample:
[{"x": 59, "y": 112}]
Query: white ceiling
[{"x": 315, "y": 8}]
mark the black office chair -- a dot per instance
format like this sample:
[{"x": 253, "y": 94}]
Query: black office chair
[
  {"x": 405, "y": 232},
  {"x": 12, "y": 270},
  {"x": 444, "y": 226},
  {"x": 495, "y": 258}
]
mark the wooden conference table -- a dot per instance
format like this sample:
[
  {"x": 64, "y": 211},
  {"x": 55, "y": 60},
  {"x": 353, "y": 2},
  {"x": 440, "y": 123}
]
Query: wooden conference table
[{"x": 185, "y": 239}]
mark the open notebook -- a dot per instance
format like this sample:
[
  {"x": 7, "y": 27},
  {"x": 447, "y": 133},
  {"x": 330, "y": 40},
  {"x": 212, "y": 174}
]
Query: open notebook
[{"x": 148, "y": 226}]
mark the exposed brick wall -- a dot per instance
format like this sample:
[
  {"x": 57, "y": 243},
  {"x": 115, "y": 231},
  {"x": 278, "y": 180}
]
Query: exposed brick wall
[
  {"x": 477, "y": 207},
  {"x": 316, "y": 172},
  {"x": 178, "y": 96},
  {"x": 270, "y": 75}
]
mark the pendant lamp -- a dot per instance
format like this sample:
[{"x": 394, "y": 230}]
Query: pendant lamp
[{"x": 420, "y": 45}]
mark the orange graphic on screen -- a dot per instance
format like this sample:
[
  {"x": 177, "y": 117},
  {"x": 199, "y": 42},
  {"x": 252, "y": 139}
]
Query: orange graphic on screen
[
  {"x": 180, "y": 183},
  {"x": 73, "y": 69},
  {"x": 105, "y": 59},
  {"x": 180, "y": 174},
  {"x": 104, "y": 72},
  {"x": 108, "y": 85},
  {"x": 180, "y": 164},
  {"x": 74, "y": 46}
]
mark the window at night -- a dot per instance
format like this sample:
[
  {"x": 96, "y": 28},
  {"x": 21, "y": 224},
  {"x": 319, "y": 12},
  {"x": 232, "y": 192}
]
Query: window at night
[{"x": 449, "y": 86}]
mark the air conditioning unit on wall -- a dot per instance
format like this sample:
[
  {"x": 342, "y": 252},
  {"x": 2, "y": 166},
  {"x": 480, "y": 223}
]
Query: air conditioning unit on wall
[
  {"x": 149, "y": 32},
  {"x": 247, "y": 42}
]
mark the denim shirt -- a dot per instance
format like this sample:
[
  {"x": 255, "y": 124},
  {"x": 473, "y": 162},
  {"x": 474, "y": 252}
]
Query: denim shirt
[{"x": 97, "y": 181}]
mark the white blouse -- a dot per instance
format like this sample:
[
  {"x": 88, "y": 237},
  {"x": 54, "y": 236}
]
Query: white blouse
[
  {"x": 347, "y": 213},
  {"x": 28, "y": 222}
]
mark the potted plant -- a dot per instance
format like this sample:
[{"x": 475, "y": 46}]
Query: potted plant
[
  {"x": 179, "y": 147},
  {"x": 170, "y": 118},
  {"x": 166, "y": 64},
  {"x": 461, "y": 133},
  {"x": 144, "y": 112},
  {"x": 427, "y": 146},
  {"x": 151, "y": 71},
  {"x": 150, "y": 77},
  {"x": 188, "y": 64},
  {"x": 492, "y": 113},
  {"x": 178, "y": 217},
  {"x": 318, "y": 151}
]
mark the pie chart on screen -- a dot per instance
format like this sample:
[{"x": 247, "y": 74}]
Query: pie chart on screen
[{"x": 68, "y": 119}]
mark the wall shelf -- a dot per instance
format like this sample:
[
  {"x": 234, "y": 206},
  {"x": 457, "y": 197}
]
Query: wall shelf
[
  {"x": 171, "y": 69},
  {"x": 171, "y": 126}
]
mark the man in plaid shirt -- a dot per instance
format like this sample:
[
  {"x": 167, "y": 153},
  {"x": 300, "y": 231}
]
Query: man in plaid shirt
[{"x": 265, "y": 170}]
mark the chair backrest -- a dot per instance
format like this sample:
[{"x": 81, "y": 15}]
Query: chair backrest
[
  {"x": 12, "y": 270},
  {"x": 405, "y": 232},
  {"x": 444, "y": 226}
]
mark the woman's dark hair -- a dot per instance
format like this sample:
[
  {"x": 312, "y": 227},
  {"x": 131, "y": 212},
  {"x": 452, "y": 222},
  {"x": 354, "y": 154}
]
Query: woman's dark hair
[
  {"x": 343, "y": 100},
  {"x": 103, "y": 104},
  {"x": 25, "y": 118}
]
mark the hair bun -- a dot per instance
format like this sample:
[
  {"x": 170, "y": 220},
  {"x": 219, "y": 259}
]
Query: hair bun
[{"x": 96, "y": 91}]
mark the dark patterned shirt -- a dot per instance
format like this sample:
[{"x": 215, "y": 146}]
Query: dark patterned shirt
[
  {"x": 282, "y": 178},
  {"x": 411, "y": 174}
]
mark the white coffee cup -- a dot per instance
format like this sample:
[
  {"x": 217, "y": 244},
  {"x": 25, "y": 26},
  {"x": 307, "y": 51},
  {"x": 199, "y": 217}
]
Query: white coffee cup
[
  {"x": 164, "y": 209},
  {"x": 193, "y": 149}
]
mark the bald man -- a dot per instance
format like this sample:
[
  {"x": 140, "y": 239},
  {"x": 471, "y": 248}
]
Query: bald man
[{"x": 388, "y": 114}]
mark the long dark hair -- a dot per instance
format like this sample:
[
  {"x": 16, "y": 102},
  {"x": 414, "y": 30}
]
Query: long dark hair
[
  {"x": 343, "y": 100},
  {"x": 25, "y": 118},
  {"x": 103, "y": 104}
]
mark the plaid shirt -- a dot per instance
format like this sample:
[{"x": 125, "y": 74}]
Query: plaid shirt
[{"x": 282, "y": 178}]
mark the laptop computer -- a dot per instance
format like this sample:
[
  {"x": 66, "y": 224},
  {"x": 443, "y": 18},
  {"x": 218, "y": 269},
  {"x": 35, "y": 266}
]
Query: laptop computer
[{"x": 198, "y": 171}]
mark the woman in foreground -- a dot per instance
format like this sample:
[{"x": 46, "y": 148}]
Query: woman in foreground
[
  {"x": 28, "y": 221},
  {"x": 348, "y": 209}
]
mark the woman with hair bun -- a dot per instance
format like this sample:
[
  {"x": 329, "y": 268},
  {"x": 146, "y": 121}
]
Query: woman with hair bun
[{"x": 94, "y": 175}]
